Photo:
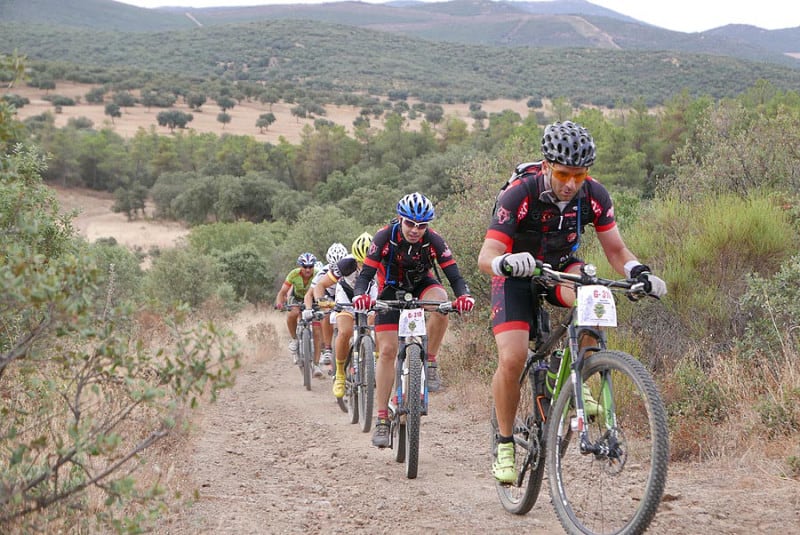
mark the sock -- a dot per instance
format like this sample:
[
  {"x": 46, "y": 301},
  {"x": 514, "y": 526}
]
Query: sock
[
  {"x": 431, "y": 360},
  {"x": 384, "y": 414},
  {"x": 504, "y": 440},
  {"x": 340, "y": 367}
]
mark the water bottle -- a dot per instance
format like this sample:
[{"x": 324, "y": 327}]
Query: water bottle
[{"x": 552, "y": 370}]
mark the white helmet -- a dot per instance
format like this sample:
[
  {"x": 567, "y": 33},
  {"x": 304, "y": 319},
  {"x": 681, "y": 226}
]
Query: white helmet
[{"x": 336, "y": 252}]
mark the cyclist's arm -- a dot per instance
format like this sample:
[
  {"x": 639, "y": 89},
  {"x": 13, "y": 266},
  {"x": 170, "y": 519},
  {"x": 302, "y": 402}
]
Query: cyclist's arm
[
  {"x": 362, "y": 282},
  {"x": 615, "y": 250},
  {"x": 308, "y": 299},
  {"x": 281, "y": 297},
  {"x": 319, "y": 288},
  {"x": 490, "y": 249}
]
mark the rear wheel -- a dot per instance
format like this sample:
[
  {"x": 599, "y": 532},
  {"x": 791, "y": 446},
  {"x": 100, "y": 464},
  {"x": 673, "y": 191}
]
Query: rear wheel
[
  {"x": 617, "y": 485},
  {"x": 366, "y": 382},
  {"x": 399, "y": 441},
  {"x": 519, "y": 497},
  {"x": 306, "y": 356},
  {"x": 412, "y": 396}
]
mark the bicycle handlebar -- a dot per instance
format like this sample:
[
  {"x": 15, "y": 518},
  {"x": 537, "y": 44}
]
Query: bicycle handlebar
[
  {"x": 439, "y": 306},
  {"x": 633, "y": 288}
]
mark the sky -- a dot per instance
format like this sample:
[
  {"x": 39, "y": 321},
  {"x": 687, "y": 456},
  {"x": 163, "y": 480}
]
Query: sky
[{"x": 679, "y": 15}]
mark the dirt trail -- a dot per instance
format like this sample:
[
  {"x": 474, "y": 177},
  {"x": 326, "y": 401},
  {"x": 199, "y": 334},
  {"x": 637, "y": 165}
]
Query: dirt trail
[{"x": 271, "y": 457}]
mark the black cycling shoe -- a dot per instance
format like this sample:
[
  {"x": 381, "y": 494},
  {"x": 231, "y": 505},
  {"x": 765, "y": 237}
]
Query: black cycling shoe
[{"x": 380, "y": 437}]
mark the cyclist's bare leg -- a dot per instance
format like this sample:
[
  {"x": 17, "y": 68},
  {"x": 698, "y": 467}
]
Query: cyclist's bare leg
[
  {"x": 344, "y": 322},
  {"x": 512, "y": 349},
  {"x": 291, "y": 321},
  {"x": 316, "y": 329},
  {"x": 437, "y": 323},
  {"x": 384, "y": 372},
  {"x": 327, "y": 331}
]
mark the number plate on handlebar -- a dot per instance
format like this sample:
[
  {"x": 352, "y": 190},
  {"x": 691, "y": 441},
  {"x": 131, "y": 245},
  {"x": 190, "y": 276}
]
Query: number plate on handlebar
[
  {"x": 412, "y": 322},
  {"x": 596, "y": 307}
]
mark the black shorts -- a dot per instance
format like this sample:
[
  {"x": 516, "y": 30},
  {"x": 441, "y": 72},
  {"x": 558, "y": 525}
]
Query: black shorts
[
  {"x": 514, "y": 301},
  {"x": 387, "y": 320}
]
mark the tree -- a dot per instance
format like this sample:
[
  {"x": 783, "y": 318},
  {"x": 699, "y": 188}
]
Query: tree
[
  {"x": 112, "y": 110},
  {"x": 264, "y": 120},
  {"x": 123, "y": 99},
  {"x": 95, "y": 95},
  {"x": 226, "y": 103},
  {"x": 195, "y": 100},
  {"x": 174, "y": 119},
  {"x": 224, "y": 118}
]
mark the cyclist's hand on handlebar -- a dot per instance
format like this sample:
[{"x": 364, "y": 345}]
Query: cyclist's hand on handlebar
[
  {"x": 653, "y": 285},
  {"x": 363, "y": 303},
  {"x": 514, "y": 265},
  {"x": 278, "y": 306},
  {"x": 308, "y": 314},
  {"x": 464, "y": 303}
]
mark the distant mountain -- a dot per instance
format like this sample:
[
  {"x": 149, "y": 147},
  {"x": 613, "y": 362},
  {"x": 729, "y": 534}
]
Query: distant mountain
[
  {"x": 551, "y": 24},
  {"x": 98, "y": 14}
]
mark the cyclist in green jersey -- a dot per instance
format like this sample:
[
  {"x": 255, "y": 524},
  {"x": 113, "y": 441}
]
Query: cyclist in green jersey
[{"x": 293, "y": 290}]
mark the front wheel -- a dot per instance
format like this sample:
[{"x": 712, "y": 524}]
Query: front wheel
[
  {"x": 614, "y": 485},
  {"x": 366, "y": 383},
  {"x": 413, "y": 404},
  {"x": 519, "y": 497},
  {"x": 306, "y": 356},
  {"x": 351, "y": 387}
]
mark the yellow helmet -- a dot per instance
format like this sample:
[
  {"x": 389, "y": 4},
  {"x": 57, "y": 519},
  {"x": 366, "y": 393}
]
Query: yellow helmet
[{"x": 361, "y": 246}]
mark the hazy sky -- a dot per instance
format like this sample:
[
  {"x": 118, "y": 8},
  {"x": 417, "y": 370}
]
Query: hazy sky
[{"x": 679, "y": 15}]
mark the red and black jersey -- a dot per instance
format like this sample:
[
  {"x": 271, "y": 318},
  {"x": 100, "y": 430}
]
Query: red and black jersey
[
  {"x": 529, "y": 218},
  {"x": 402, "y": 264}
]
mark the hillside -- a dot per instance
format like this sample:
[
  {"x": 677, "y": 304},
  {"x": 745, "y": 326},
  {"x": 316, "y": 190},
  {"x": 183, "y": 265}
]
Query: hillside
[
  {"x": 342, "y": 59},
  {"x": 553, "y": 24}
]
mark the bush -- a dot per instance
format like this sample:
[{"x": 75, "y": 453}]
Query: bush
[{"x": 183, "y": 275}]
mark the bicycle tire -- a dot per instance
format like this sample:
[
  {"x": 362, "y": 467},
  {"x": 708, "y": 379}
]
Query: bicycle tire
[
  {"x": 307, "y": 356},
  {"x": 413, "y": 408},
  {"x": 400, "y": 443},
  {"x": 366, "y": 383},
  {"x": 519, "y": 498},
  {"x": 618, "y": 492},
  {"x": 351, "y": 389}
]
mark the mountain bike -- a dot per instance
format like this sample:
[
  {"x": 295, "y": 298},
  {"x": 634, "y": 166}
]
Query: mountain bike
[
  {"x": 604, "y": 440},
  {"x": 359, "y": 368},
  {"x": 410, "y": 400}
]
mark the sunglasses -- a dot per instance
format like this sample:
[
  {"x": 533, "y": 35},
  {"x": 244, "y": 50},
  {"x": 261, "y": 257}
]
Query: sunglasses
[
  {"x": 307, "y": 267},
  {"x": 414, "y": 224},
  {"x": 564, "y": 176}
]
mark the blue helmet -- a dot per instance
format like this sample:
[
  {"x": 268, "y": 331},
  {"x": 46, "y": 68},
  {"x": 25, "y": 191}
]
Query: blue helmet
[
  {"x": 416, "y": 207},
  {"x": 306, "y": 260}
]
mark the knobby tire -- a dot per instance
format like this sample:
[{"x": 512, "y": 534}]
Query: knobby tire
[
  {"x": 519, "y": 498},
  {"x": 620, "y": 492},
  {"x": 414, "y": 408},
  {"x": 351, "y": 388},
  {"x": 307, "y": 356},
  {"x": 366, "y": 383}
]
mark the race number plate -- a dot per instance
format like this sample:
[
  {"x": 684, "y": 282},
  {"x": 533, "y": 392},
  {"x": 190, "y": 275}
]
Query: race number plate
[
  {"x": 596, "y": 307},
  {"x": 412, "y": 322}
]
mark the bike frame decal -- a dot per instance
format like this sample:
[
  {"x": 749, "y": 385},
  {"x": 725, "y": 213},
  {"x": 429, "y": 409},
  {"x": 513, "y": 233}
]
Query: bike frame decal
[{"x": 596, "y": 307}]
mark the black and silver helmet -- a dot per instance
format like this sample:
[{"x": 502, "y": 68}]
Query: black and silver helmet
[{"x": 569, "y": 144}]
